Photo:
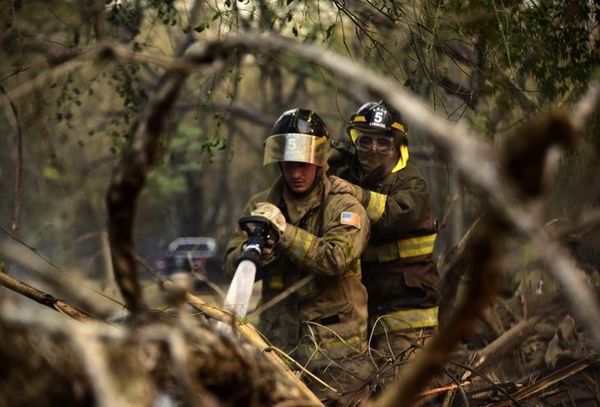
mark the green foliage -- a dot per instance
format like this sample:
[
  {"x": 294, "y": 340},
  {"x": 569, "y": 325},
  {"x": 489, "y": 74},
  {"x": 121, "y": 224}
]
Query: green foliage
[
  {"x": 201, "y": 27},
  {"x": 556, "y": 44},
  {"x": 553, "y": 42}
]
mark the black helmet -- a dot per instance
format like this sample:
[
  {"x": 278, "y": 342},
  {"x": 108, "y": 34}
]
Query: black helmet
[
  {"x": 289, "y": 141},
  {"x": 375, "y": 116},
  {"x": 301, "y": 121}
]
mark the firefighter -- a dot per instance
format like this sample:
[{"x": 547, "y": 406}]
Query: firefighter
[
  {"x": 397, "y": 267},
  {"x": 323, "y": 324}
]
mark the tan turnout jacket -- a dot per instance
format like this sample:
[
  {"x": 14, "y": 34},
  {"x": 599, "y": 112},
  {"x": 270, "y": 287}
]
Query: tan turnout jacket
[{"x": 324, "y": 238}]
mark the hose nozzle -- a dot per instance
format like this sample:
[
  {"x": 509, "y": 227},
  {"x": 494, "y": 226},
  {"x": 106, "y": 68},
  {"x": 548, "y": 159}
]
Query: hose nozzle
[{"x": 259, "y": 230}]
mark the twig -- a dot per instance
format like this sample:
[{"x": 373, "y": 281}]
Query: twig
[
  {"x": 550, "y": 380},
  {"x": 302, "y": 368},
  {"x": 438, "y": 390},
  {"x": 67, "y": 285},
  {"x": 505, "y": 342},
  {"x": 282, "y": 295},
  {"x": 41, "y": 297},
  {"x": 21, "y": 257}
]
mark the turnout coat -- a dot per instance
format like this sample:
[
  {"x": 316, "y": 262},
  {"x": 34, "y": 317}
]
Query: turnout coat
[{"x": 324, "y": 238}]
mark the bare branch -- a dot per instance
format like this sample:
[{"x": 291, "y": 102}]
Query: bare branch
[
  {"x": 18, "y": 164},
  {"x": 41, "y": 297},
  {"x": 586, "y": 106},
  {"x": 68, "y": 285},
  {"x": 129, "y": 179}
]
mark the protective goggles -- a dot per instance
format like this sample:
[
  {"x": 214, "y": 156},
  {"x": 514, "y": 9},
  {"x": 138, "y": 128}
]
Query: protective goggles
[
  {"x": 297, "y": 147},
  {"x": 367, "y": 143}
]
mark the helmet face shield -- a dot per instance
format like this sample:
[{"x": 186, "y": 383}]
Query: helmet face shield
[{"x": 296, "y": 147}]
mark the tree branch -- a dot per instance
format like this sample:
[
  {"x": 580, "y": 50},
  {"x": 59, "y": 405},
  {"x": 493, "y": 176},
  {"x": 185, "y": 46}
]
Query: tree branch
[
  {"x": 129, "y": 179},
  {"x": 18, "y": 165},
  {"x": 41, "y": 297}
]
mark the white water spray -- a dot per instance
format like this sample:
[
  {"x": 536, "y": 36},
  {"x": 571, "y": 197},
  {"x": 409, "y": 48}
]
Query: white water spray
[{"x": 239, "y": 293}]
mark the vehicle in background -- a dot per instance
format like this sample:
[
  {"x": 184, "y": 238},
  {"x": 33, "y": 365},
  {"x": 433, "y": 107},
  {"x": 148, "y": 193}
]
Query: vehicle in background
[{"x": 187, "y": 255}]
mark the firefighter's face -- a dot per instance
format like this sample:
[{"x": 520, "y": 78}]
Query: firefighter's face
[{"x": 298, "y": 176}]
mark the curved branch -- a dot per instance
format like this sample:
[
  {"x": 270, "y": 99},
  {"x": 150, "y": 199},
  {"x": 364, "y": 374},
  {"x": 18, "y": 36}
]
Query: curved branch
[{"x": 129, "y": 179}]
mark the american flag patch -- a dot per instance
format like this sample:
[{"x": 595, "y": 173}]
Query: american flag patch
[{"x": 350, "y": 218}]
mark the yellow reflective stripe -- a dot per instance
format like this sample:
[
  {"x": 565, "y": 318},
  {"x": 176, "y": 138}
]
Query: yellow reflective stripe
[
  {"x": 398, "y": 126},
  {"x": 361, "y": 119},
  {"x": 402, "y": 160},
  {"x": 416, "y": 246},
  {"x": 400, "y": 249},
  {"x": 353, "y": 271},
  {"x": 405, "y": 320},
  {"x": 343, "y": 242},
  {"x": 376, "y": 205},
  {"x": 301, "y": 244},
  {"x": 334, "y": 349}
]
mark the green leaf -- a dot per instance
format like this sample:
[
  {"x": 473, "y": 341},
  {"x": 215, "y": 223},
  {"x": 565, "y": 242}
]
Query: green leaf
[
  {"x": 51, "y": 173},
  {"x": 201, "y": 27}
]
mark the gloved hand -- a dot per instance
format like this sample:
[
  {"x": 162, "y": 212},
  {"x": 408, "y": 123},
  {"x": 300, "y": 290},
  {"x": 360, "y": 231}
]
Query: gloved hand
[
  {"x": 272, "y": 213},
  {"x": 268, "y": 253},
  {"x": 341, "y": 186}
]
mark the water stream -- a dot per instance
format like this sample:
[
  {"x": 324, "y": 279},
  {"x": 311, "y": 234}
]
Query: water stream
[{"x": 239, "y": 293}]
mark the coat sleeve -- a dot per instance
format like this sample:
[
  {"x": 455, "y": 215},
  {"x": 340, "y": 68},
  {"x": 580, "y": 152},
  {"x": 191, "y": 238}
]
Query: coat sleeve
[
  {"x": 399, "y": 213},
  {"x": 338, "y": 250}
]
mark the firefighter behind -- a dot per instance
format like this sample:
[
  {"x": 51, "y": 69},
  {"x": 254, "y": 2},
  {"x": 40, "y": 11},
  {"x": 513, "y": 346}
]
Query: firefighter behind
[
  {"x": 322, "y": 234},
  {"x": 397, "y": 267}
]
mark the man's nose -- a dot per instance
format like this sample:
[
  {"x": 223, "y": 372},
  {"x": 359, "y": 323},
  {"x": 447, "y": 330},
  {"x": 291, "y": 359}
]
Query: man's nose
[{"x": 296, "y": 171}]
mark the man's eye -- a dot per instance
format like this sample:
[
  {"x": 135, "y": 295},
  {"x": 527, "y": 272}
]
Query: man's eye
[{"x": 365, "y": 141}]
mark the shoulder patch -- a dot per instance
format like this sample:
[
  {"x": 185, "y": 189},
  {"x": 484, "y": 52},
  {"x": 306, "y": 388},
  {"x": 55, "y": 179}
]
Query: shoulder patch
[{"x": 350, "y": 218}]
